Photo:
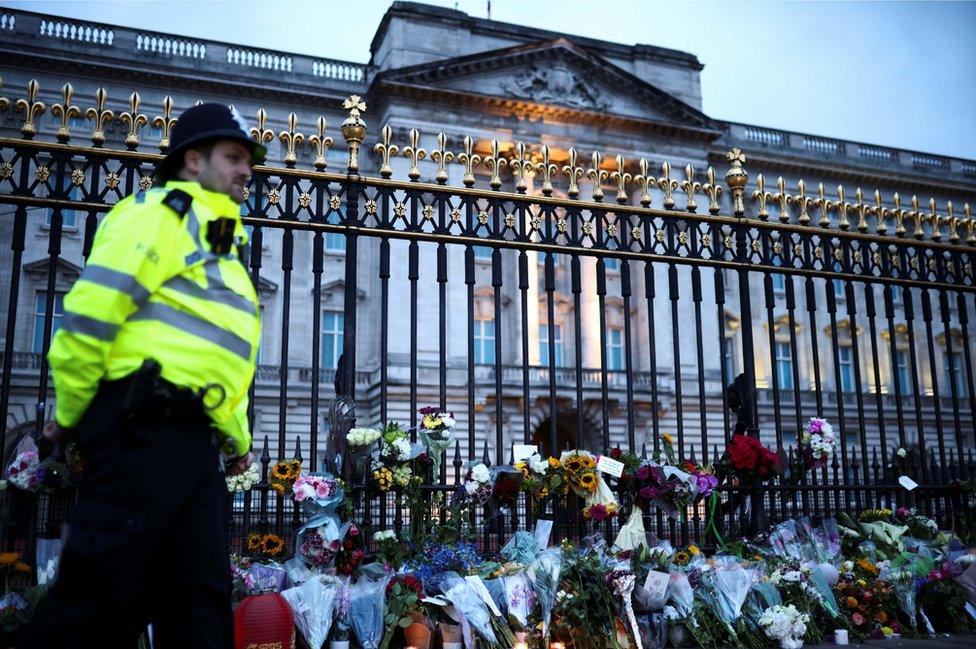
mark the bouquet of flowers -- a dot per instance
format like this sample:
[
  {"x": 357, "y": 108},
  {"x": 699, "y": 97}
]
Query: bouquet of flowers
[
  {"x": 436, "y": 431},
  {"x": 435, "y": 561},
  {"x": 540, "y": 477},
  {"x": 785, "y": 624},
  {"x": 358, "y": 444},
  {"x": 351, "y": 553},
  {"x": 390, "y": 551},
  {"x": 478, "y": 484},
  {"x": 317, "y": 548},
  {"x": 283, "y": 475},
  {"x": 396, "y": 451},
  {"x": 584, "y": 479},
  {"x": 244, "y": 481},
  {"x": 749, "y": 461},
  {"x": 22, "y": 472},
  {"x": 403, "y": 595},
  {"x": 269, "y": 546},
  {"x": 919, "y": 526},
  {"x": 817, "y": 443},
  {"x": 29, "y": 473}
]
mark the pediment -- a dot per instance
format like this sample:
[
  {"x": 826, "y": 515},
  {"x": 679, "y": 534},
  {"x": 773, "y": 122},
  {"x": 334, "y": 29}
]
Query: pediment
[
  {"x": 65, "y": 269},
  {"x": 557, "y": 74}
]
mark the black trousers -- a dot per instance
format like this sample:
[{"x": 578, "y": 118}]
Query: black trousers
[{"x": 148, "y": 542}]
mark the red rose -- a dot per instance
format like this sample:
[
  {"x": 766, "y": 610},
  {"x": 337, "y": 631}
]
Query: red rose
[{"x": 615, "y": 453}]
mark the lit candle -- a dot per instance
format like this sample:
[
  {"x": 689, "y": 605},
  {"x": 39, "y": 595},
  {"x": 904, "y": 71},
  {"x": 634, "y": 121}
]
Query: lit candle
[
  {"x": 840, "y": 636},
  {"x": 557, "y": 645},
  {"x": 521, "y": 645}
]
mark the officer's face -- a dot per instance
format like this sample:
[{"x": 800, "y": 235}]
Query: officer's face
[{"x": 226, "y": 170}]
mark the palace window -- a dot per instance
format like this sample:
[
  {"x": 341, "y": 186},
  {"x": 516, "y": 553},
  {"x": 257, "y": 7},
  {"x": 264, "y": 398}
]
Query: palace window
[
  {"x": 69, "y": 218},
  {"x": 845, "y": 361},
  {"x": 41, "y": 307},
  {"x": 483, "y": 252},
  {"x": 901, "y": 370},
  {"x": 784, "y": 366},
  {"x": 952, "y": 375},
  {"x": 615, "y": 349},
  {"x": 484, "y": 342},
  {"x": 332, "y": 330},
  {"x": 557, "y": 344}
]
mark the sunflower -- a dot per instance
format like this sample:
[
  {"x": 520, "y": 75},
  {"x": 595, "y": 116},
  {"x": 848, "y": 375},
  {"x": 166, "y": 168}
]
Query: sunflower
[
  {"x": 587, "y": 462},
  {"x": 681, "y": 558},
  {"x": 574, "y": 464},
  {"x": 254, "y": 542},
  {"x": 588, "y": 481},
  {"x": 281, "y": 471},
  {"x": 554, "y": 463},
  {"x": 524, "y": 468},
  {"x": 272, "y": 545},
  {"x": 693, "y": 549},
  {"x": 543, "y": 493}
]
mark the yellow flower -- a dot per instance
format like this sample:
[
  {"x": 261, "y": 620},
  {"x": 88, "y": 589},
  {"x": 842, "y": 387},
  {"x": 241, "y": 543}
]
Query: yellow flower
[
  {"x": 431, "y": 422},
  {"x": 272, "y": 545},
  {"x": 523, "y": 467},
  {"x": 681, "y": 558},
  {"x": 281, "y": 471},
  {"x": 554, "y": 463},
  {"x": 587, "y": 462},
  {"x": 667, "y": 438},
  {"x": 867, "y": 566},
  {"x": 543, "y": 493},
  {"x": 693, "y": 549},
  {"x": 9, "y": 558},
  {"x": 574, "y": 464},
  {"x": 588, "y": 480},
  {"x": 887, "y": 631},
  {"x": 254, "y": 542},
  {"x": 22, "y": 568}
]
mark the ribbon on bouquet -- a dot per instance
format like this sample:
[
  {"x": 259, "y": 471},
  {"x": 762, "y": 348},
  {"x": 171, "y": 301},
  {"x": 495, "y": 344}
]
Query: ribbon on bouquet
[{"x": 710, "y": 526}]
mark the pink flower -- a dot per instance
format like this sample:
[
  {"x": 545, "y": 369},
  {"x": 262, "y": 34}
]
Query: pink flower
[
  {"x": 858, "y": 619},
  {"x": 353, "y": 531},
  {"x": 323, "y": 489}
]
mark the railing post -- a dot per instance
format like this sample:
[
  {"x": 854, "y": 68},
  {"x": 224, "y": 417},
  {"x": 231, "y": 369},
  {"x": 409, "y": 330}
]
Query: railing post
[
  {"x": 354, "y": 132},
  {"x": 736, "y": 179}
]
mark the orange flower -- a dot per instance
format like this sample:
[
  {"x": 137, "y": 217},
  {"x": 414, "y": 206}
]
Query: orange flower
[
  {"x": 272, "y": 545},
  {"x": 22, "y": 568},
  {"x": 851, "y": 602},
  {"x": 867, "y": 566},
  {"x": 881, "y": 617},
  {"x": 9, "y": 558}
]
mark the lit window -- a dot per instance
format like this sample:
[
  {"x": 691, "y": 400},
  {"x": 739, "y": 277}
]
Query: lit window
[
  {"x": 615, "y": 349},
  {"x": 901, "y": 370},
  {"x": 484, "y": 342},
  {"x": 557, "y": 338},
  {"x": 332, "y": 329},
  {"x": 784, "y": 366},
  {"x": 953, "y": 374},
  {"x": 42, "y": 305},
  {"x": 845, "y": 361}
]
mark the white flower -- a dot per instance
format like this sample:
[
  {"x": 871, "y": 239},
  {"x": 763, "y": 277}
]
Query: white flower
[
  {"x": 362, "y": 436},
  {"x": 480, "y": 473},
  {"x": 901, "y": 452},
  {"x": 538, "y": 464},
  {"x": 384, "y": 535},
  {"x": 471, "y": 487},
  {"x": 847, "y": 566},
  {"x": 402, "y": 448},
  {"x": 447, "y": 420}
]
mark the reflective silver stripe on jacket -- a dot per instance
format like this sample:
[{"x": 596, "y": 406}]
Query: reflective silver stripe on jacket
[
  {"x": 194, "y": 326},
  {"x": 224, "y": 295},
  {"x": 81, "y": 324},
  {"x": 114, "y": 279}
]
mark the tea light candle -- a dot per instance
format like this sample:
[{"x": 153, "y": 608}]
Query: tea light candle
[
  {"x": 557, "y": 645},
  {"x": 840, "y": 637},
  {"x": 521, "y": 645}
]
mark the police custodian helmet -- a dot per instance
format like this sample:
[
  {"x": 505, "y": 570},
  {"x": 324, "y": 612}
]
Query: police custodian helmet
[{"x": 201, "y": 124}]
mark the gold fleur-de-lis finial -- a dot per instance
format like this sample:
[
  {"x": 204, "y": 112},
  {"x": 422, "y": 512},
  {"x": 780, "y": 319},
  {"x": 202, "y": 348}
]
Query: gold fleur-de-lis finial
[
  {"x": 621, "y": 177},
  {"x": 414, "y": 153},
  {"x": 690, "y": 186},
  {"x": 260, "y": 133},
  {"x": 32, "y": 109},
  {"x": 645, "y": 181},
  {"x": 99, "y": 116},
  {"x": 783, "y": 199},
  {"x": 736, "y": 179},
  {"x": 823, "y": 205},
  {"x": 442, "y": 157},
  {"x": 520, "y": 166},
  {"x": 547, "y": 169},
  {"x": 4, "y": 102},
  {"x": 861, "y": 210},
  {"x": 596, "y": 175},
  {"x": 970, "y": 226},
  {"x": 880, "y": 213},
  {"x": 386, "y": 150},
  {"x": 713, "y": 190},
  {"x": 470, "y": 160},
  {"x": 495, "y": 162},
  {"x": 917, "y": 215},
  {"x": 165, "y": 123},
  {"x": 321, "y": 142},
  {"x": 763, "y": 196},
  {"x": 134, "y": 119},
  {"x": 842, "y": 206},
  {"x": 667, "y": 185},
  {"x": 899, "y": 215},
  {"x": 803, "y": 201},
  {"x": 573, "y": 172},
  {"x": 65, "y": 110},
  {"x": 353, "y": 130},
  {"x": 934, "y": 220},
  {"x": 291, "y": 138},
  {"x": 953, "y": 223}
]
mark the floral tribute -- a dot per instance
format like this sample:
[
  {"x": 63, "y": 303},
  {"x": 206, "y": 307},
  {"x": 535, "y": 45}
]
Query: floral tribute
[{"x": 817, "y": 443}]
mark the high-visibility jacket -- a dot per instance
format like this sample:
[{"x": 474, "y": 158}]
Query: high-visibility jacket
[{"x": 153, "y": 288}]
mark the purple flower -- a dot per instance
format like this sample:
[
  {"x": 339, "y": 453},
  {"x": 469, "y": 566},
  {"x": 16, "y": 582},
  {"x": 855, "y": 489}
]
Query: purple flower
[
  {"x": 642, "y": 472},
  {"x": 648, "y": 493},
  {"x": 706, "y": 484},
  {"x": 816, "y": 425}
]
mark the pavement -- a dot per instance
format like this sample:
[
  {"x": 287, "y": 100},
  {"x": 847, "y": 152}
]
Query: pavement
[{"x": 940, "y": 641}]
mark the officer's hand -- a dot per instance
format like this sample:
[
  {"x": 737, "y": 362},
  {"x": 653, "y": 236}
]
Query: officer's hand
[{"x": 239, "y": 465}]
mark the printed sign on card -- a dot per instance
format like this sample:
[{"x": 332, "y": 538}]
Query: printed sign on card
[
  {"x": 523, "y": 451},
  {"x": 656, "y": 583},
  {"x": 907, "y": 482},
  {"x": 610, "y": 466},
  {"x": 543, "y": 529}
]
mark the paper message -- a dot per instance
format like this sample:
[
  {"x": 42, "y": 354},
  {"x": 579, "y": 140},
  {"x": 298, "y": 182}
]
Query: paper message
[
  {"x": 656, "y": 583},
  {"x": 907, "y": 482},
  {"x": 523, "y": 451},
  {"x": 543, "y": 529},
  {"x": 610, "y": 466}
]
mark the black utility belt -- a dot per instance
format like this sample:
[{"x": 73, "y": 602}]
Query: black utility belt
[{"x": 146, "y": 397}]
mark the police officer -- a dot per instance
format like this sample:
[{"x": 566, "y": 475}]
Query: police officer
[{"x": 152, "y": 366}]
